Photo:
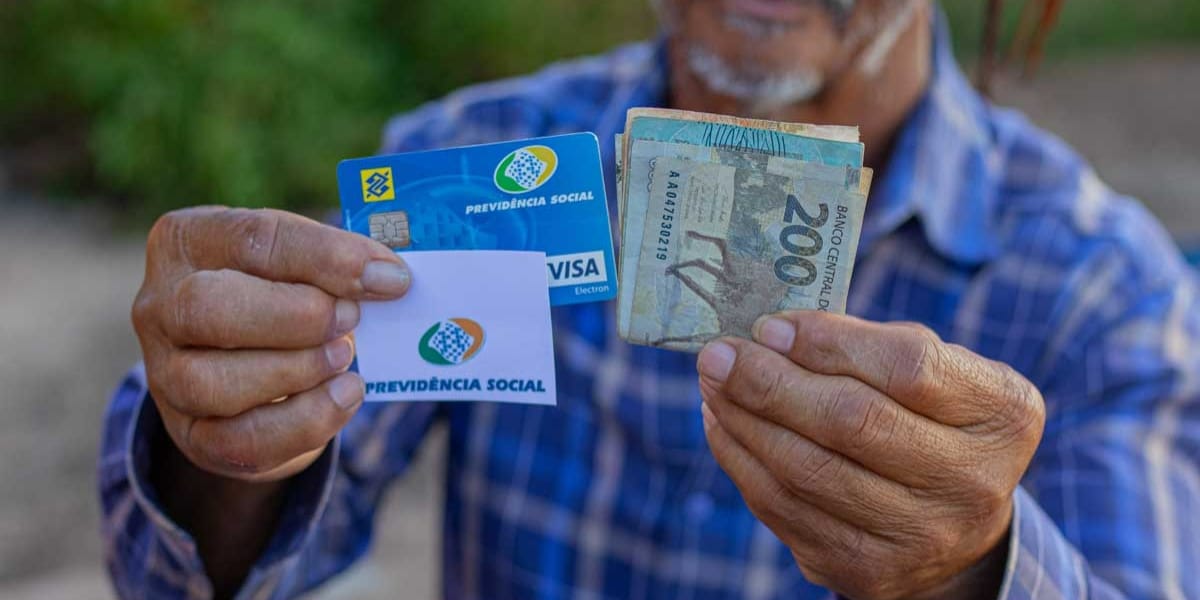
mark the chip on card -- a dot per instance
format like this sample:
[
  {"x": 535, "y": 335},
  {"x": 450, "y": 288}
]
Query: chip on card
[
  {"x": 543, "y": 194},
  {"x": 390, "y": 229}
]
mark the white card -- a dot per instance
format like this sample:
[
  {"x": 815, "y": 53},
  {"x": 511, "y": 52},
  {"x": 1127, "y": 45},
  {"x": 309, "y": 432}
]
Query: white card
[{"x": 474, "y": 325}]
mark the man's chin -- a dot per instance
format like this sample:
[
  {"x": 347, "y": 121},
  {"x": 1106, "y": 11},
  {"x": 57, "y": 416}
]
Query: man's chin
[
  {"x": 781, "y": 12},
  {"x": 760, "y": 92},
  {"x": 785, "y": 14}
]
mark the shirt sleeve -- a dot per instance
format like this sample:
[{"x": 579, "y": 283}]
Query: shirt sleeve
[
  {"x": 325, "y": 524},
  {"x": 1111, "y": 505}
]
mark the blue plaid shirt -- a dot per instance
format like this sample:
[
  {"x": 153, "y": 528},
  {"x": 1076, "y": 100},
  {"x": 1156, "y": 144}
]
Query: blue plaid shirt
[{"x": 991, "y": 232}]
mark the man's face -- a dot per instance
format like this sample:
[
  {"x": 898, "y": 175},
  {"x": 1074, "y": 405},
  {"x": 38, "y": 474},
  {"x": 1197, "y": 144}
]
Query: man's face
[{"x": 771, "y": 53}]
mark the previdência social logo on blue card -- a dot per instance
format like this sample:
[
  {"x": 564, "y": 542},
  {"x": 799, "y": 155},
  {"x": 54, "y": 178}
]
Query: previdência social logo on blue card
[
  {"x": 544, "y": 194},
  {"x": 526, "y": 169}
]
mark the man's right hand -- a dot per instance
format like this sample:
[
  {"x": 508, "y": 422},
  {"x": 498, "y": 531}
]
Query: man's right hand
[{"x": 244, "y": 319}]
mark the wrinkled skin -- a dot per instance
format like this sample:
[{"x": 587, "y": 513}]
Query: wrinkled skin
[
  {"x": 885, "y": 458},
  {"x": 241, "y": 309}
]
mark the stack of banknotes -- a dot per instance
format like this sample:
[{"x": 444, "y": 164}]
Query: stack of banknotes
[{"x": 724, "y": 219}]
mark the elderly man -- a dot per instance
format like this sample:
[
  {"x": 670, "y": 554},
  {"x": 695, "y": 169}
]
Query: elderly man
[{"x": 1013, "y": 412}]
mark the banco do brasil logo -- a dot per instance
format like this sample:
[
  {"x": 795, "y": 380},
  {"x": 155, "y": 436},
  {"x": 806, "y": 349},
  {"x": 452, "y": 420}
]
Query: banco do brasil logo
[
  {"x": 526, "y": 169},
  {"x": 377, "y": 184},
  {"x": 451, "y": 342}
]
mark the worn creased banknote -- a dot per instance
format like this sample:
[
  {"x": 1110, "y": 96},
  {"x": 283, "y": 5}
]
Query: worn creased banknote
[{"x": 723, "y": 220}]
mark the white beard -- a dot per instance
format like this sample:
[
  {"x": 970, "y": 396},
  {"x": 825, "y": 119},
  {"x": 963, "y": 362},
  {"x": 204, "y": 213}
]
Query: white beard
[
  {"x": 761, "y": 89},
  {"x": 764, "y": 90}
]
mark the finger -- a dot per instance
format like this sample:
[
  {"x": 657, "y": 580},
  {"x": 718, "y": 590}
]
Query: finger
[
  {"x": 817, "y": 539},
  {"x": 266, "y": 437},
  {"x": 824, "y": 478},
  {"x": 282, "y": 246},
  {"x": 230, "y": 309},
  {"x": 226, "y": 383},
  {"x": 906, "y": 362},
  {"x": 839, "y": 413}
]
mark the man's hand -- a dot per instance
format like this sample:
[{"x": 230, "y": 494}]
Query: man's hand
[
  {"x": 883, "y": 457},
  {"x": 244, "y": 320}
]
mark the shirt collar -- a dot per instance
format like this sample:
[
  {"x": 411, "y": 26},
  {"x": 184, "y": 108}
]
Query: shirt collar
[{"x": 943, "y": 167}]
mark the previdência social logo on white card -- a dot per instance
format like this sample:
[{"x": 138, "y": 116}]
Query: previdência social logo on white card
[
  {"x": 474, "y": 325},
  {"x": 451, "y": 342}
]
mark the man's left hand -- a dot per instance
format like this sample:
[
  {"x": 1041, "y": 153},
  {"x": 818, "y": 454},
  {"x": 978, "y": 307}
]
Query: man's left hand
[{"x": 885, "y": 458}]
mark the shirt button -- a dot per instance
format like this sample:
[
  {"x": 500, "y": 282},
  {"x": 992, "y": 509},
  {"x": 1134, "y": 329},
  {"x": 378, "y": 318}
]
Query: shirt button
[{"x": 699, "y": 506}]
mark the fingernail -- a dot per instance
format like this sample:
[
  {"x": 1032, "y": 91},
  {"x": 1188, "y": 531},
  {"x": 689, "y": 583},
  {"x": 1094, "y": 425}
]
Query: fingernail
[
  {"x": 775, "y": 333},
  {"x": 346, "y": 391},
  {"x": 707, "y": 415},
  {"x": 345, "y": 315},
  {"x": 339, "y": 352},
  {"x": 385, "y": 278},
  {"x": 716, "y": 360}
]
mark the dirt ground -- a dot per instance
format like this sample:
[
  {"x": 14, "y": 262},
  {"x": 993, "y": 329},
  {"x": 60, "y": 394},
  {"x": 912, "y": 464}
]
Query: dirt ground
[{"x": 65, "y": 338}]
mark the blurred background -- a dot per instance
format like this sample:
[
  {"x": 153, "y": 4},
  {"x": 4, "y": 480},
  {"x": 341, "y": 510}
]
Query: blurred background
[{"x": 114, "y": 111}]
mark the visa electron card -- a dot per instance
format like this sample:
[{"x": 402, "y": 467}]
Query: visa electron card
[{"x": 543, "y": 194}]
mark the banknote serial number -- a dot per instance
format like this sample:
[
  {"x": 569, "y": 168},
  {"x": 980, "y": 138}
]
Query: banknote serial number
[
  {"x": 670, "y": 202},
  {"x": 800, "y": 240}
]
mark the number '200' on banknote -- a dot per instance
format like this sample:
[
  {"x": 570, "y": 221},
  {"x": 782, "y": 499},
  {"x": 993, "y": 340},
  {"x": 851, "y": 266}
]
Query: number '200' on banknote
[
  {"x": 713, "y": 259},
  {"x": 715, "y": 237}
]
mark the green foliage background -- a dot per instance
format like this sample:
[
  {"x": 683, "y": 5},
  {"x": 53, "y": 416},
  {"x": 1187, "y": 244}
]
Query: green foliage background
[{"x": 252, "y": 103}]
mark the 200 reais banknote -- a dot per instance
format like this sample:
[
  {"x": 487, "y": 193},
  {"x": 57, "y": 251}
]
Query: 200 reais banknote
[{"x": 723, "y": 220}]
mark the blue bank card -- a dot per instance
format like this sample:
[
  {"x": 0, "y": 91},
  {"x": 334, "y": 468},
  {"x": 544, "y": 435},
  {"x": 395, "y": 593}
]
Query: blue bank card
[{"x": 543, "y": 194}]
